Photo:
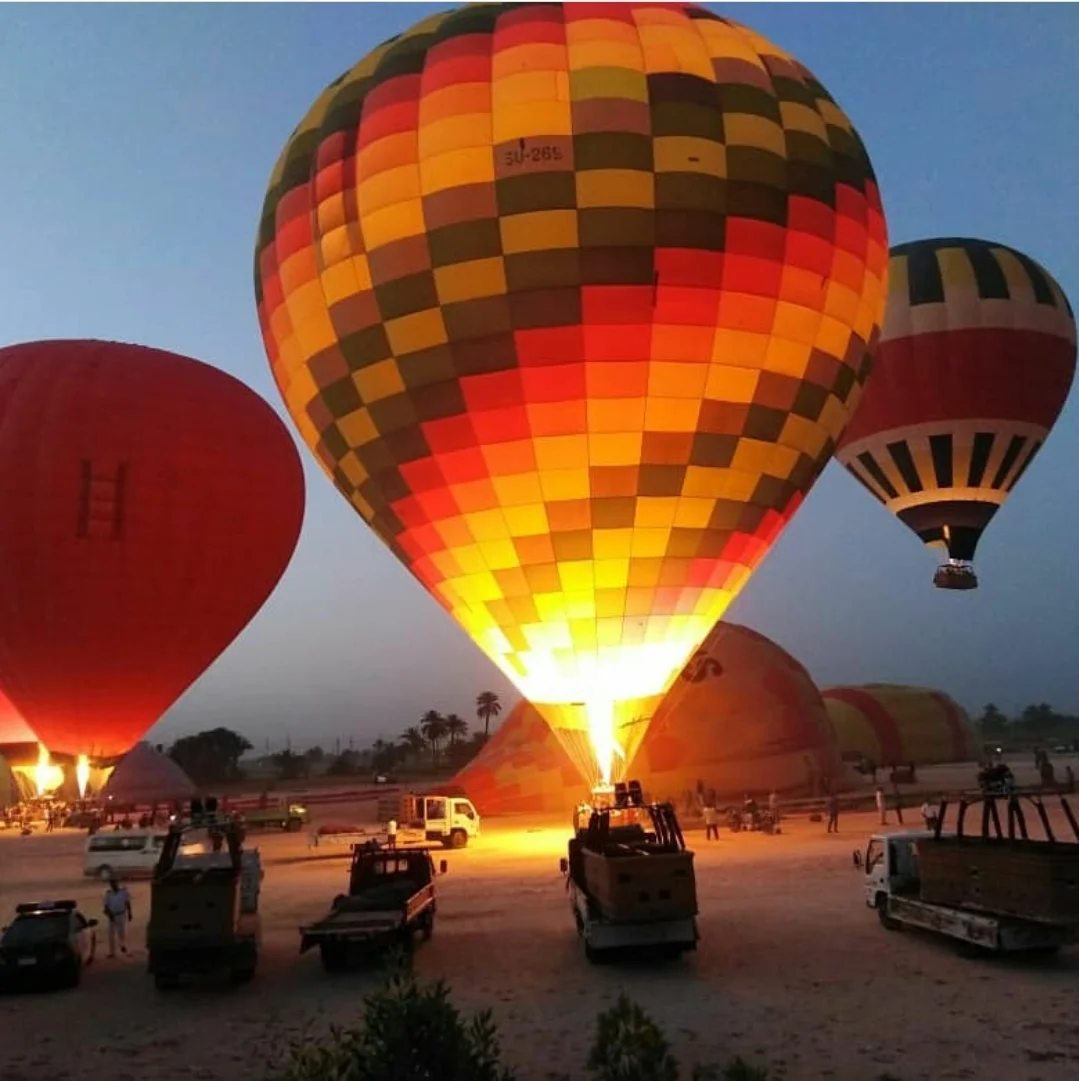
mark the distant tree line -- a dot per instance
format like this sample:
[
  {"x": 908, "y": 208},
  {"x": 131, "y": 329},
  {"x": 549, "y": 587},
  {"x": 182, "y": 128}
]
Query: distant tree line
[
  {"x": 1037, "y": 725},
  {"x": 436, "y": 742}
]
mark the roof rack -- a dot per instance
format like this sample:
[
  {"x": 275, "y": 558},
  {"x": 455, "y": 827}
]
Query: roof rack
[{"x": 1013, "y": 801}]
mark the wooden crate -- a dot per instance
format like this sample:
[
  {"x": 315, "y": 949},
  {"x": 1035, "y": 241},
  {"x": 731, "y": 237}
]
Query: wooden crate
[
  {"x": 1033, "y": 880},
  {"x": 642, "y": 887}
]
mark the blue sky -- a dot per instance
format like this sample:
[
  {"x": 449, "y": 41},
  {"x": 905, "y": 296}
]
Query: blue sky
[{"x": 137, "y": 141}]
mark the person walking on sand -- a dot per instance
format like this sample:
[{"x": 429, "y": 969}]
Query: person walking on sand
[
  {"x": 391, "y": 833},
  {"x": 898, "y": 803},
  {"x": 882, "y": 807},
  {"x": 711, "y": 820},
  {"x": 833, "y": 813},
  {"x": 117, "y": 907}
]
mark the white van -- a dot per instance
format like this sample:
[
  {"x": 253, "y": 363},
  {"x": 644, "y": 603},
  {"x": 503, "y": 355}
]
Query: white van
[{"x": 127, "y": 853}]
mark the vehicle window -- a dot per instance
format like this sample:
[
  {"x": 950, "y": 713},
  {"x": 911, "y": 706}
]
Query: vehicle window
[
  {"x": 463, "y": 809},
  {"x": 436, "y": 808},
  {"x": 32, "y": 930},
  {"x": 874, "y": 854},
  {"x": 117, "y": 842}
]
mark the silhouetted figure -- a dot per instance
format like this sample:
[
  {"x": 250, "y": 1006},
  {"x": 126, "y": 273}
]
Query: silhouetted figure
[{"x": 833, "y": 813}]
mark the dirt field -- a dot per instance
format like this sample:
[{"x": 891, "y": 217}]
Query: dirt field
[{"x": 792, "y": 971}]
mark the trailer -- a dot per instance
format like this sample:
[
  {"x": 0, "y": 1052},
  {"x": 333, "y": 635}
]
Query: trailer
[
  {"x": 391, "y": 895},
  {"x": 630, "y": 880},
  {"x": 994, "y": 893}
]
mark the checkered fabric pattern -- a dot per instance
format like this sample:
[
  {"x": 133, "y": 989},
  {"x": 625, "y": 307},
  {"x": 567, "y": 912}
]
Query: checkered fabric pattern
[
  {"x": 976, "y": 360},
  {"x": 893, "y": 725},
  {"x": 743, "y": 716},
  {"x": 522, "y": 769},
  {"x": 572, "y": 302}
]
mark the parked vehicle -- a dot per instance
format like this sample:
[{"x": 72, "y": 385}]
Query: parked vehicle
[
  {"x": 288, "y": 816},
  {"x": 128, "y": 853},
  {"x": 47, "y": 943},
  {"x": 1000, "y": 892},
  {"x": 391, "y": 895},
  {"x": 631, "y": 885},
  {"x": 451, "y": 821},
  {"x": 204, "y": 916}
]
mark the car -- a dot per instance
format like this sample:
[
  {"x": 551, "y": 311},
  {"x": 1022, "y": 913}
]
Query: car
[{"x": 47, "y": 943}]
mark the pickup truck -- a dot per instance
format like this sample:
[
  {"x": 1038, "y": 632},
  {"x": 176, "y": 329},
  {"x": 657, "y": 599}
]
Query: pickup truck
[
  {"x": 391, "y": 895},
  {"x": 290, "y": 817}
]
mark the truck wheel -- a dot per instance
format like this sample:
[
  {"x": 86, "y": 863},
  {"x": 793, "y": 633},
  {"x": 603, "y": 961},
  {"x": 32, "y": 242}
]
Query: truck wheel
[
  {"x": 293, "y": 825},
  {"x": 166, "y": 981},
  {"x": 73, "y": 976},
  {"x": 458, "y": 839},
  {"x": 886, "y": 921},
  {"x": 334, "y": 957},
  {"x": 592, "y": 955},
  {"x": 427, "y": 926}
]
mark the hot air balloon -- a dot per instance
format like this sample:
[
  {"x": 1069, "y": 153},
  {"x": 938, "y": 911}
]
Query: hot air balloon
[
  {"x": 150, "y": 505},
  {"x": 572, "y": 302},
  {"x": 975, "y": 362},
  {"x": 744, "y": 716},
  {"x": 892, "y": 725}
]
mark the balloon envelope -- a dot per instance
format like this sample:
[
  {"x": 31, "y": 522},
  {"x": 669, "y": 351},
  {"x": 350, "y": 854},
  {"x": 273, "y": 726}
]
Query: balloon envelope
[
  {"x": 743, "y": 717},
  {"x": 975, "y": 363},
  {"x": 150, "y": 505},
  {"x": 892, "y": 725},
  {"x": 572, "y": 302}
]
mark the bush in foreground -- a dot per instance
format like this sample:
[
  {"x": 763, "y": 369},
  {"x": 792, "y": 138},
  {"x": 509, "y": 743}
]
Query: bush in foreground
[{"x": 413, "y": 1032}]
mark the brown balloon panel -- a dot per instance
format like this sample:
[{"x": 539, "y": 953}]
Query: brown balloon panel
[{"x": 572, "y": 304}]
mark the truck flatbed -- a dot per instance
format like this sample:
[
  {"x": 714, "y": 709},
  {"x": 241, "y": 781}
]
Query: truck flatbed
[
  {"x": 996, "y": 934},
  {"x": 391, "y": 895}
]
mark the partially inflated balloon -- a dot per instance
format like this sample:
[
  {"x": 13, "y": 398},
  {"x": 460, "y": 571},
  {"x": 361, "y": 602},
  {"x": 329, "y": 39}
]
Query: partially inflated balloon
[
  {"x": 150, "y": 503},
  {"x": 572, "y": 302},
  {"x": 975, "y": 363}
]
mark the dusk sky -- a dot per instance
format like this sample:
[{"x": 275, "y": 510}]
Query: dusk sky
[{"x": 137, "y": 142}]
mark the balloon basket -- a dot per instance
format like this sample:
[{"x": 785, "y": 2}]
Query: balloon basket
[{"x": 955, "y": 576}]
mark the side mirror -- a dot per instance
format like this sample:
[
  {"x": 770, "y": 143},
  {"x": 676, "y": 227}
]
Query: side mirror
[
  {"x": 91, "y": 923},
  {"x": 856, "y": 856},
  {"x": 563, "y": 865},
  {"x": 443, "y": 867}
]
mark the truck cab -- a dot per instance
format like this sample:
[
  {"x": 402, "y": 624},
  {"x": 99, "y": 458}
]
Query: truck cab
[
  {"x": 890, "y": 864},
  {"x": 452, "y": 821}
]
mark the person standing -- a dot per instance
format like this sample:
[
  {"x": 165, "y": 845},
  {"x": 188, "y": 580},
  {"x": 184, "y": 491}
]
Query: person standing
[
  {"x": 711, "y": 820},
  {"x": 833, "y": 813},
  {"x": 391, "y": 833},
  {"x": 773, "y": 806},
  {"x": 117, "y": 907},
  {"x": 898, "y": 803},
  {"x": 882, "y": 807}
]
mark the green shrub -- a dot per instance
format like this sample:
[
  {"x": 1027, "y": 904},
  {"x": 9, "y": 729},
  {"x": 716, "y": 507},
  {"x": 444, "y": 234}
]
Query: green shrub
[
  {"x": 409, "y": 1032},
  {"x": 630, "y": 1046},
  {"x": 413, "y": 1032}
]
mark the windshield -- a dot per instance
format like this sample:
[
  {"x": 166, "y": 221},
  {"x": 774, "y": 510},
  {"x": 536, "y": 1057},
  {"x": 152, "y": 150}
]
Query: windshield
[{"x": 34, "y": 930}]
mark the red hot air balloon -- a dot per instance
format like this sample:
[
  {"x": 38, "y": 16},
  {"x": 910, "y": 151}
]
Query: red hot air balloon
[{"x": 150, "y": 504}]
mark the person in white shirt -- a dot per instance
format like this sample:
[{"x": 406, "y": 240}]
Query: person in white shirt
[
  {"x": 882, "y": 808},
  {"x": 117, "y": 907},
  {"x": 391, "y": 833}
]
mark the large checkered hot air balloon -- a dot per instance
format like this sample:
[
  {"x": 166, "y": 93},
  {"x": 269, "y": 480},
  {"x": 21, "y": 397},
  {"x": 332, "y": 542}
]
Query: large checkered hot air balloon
[
  {"x": 975, "y": 363},
  {"x": 572, "y": 302}
]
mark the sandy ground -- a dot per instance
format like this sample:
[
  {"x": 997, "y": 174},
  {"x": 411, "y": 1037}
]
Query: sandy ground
[{"x": 792, "y": 971}]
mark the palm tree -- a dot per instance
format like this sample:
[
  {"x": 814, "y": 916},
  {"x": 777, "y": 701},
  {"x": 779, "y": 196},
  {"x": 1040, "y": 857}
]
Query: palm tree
[
  {"x": 487, "y": 706},
  {"x": 456, "y": 728},
  {"x": 433, "y": 727},
  {"x": 413, "y": 740}
]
